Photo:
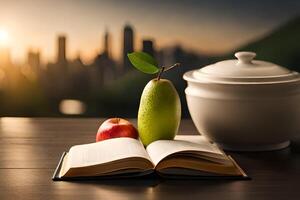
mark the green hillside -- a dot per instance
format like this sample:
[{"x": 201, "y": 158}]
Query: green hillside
[{"x": 281, "y": 46}]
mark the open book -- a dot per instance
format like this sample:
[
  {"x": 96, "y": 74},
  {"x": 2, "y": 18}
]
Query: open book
[{"x": 186, "y": 156}]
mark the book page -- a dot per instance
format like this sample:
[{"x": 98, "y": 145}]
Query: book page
[
  {"x": 202, "y": 141},
  {"x": 105, "y": 151},
  {"x": 160, "y": 149}
]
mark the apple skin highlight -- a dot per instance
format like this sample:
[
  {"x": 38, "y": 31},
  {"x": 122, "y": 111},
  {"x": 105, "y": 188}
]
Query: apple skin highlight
[{"x": 115, "y": 128}]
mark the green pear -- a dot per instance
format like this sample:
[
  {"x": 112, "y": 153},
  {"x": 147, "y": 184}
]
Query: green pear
[{"x": 159, "y": 112}]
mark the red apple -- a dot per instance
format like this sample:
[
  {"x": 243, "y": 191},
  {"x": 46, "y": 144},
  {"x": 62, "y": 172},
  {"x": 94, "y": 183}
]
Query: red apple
[{"x": 114, "y": 128}]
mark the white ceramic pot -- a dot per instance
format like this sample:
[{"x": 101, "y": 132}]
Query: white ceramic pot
[{"x": 245, "y": 104}]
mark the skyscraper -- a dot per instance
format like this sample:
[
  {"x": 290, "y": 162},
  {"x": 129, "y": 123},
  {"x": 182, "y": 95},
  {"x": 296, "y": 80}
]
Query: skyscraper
[
  {"x": 148, "y": 47},
  {"x": 106, "y": 49},
  {"x": 61, "y": 51},
  {"x": 128, "y": 46},
  {"x": 33, "y": 60}
]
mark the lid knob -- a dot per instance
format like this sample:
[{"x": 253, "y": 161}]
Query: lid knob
[{"x": 245, "y": 57}]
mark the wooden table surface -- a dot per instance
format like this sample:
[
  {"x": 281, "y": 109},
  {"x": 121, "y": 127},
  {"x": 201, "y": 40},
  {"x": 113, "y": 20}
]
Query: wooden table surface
[{"x": 30, "y": 149}]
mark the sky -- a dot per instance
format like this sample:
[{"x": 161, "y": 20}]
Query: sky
[{"x": 206, "y": 26}]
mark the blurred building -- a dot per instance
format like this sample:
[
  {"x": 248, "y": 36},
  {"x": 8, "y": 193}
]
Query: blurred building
[
  {"x": 128, "y": 46},
  {"x": 103, "y": 69},
  {"x": 106, "y": 48},
  {"x": 79, "y": 77},
  {"x": 61, "y": 50},
  {"x": 59, "y": 80},
  {"x": 160, "y": 57},
  {"x": 148, "y": 47},
  {"x": 33, "y": 60}
]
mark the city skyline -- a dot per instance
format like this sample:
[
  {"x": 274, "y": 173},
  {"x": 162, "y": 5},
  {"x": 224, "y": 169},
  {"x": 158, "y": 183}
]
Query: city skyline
[
  {"x": 206, "y": 27},
  {"x": 61, "y": 44},
  {"x": 33, "y": 56}
]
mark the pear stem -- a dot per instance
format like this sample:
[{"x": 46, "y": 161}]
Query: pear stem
[
  {"x": 172, "y": 66},
  {"x": 163, "y": 69},
  {"x": 160, "y": 72}
]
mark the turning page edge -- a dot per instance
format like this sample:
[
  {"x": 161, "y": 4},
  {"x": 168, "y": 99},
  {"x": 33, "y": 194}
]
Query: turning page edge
[
  {"x": 244, "y": 175},
  {"x": 55, "y": 176}
]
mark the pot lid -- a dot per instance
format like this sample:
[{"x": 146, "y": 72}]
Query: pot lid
[{"x": 244, "y": 69}]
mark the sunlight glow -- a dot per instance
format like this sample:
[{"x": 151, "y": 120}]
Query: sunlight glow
[{"x": 4, "y": 37}]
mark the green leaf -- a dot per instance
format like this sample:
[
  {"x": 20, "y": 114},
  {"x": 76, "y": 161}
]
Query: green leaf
[{"x": 143, "y": 62}]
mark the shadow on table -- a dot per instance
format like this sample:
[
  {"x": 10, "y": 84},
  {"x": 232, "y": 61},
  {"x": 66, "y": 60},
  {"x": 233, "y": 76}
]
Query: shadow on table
[
  {"x": 158, "y": 187},
  {"x": 278, "y": 161},
  {"x": 295, "y": 146}
]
